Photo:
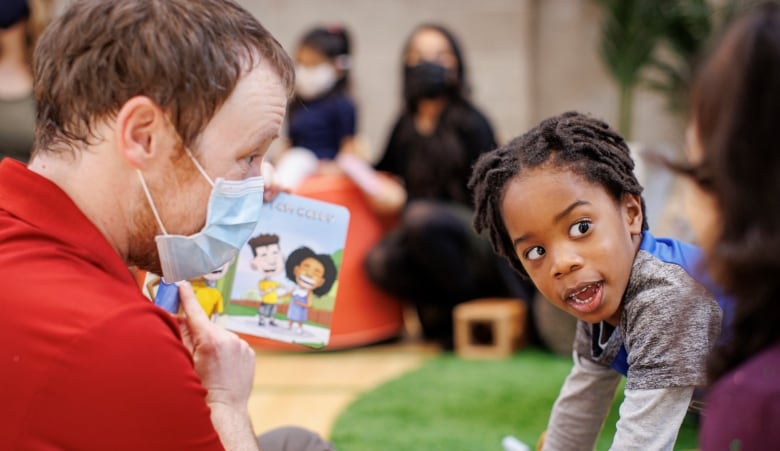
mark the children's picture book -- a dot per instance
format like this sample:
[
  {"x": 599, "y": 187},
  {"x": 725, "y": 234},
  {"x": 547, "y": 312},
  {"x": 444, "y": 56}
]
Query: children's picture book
[{"x": 283, "y": 284}]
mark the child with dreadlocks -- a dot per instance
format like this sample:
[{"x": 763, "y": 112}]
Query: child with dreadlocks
[{"x": 563, "y": 205}]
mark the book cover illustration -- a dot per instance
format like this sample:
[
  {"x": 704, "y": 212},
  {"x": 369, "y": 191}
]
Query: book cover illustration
[{"x": 283, "y": 283}]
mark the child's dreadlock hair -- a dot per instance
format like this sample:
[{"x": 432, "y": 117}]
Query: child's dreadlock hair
[{"x": 572, "y": 141}]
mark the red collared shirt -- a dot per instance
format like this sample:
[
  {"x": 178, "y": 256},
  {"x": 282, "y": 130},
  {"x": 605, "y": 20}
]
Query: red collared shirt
[{"x": 86, "y": 361}]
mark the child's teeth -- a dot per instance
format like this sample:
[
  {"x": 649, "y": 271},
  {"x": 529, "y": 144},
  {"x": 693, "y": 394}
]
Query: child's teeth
[{"x": 575, "y": 296}]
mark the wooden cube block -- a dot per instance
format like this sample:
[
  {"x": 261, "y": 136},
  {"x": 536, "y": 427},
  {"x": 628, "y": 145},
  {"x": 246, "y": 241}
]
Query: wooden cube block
[{"x": 490, "y": 327}]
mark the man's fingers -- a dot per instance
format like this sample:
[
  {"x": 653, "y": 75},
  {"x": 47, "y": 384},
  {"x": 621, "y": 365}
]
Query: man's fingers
[
  {"x": 196, "y": 317},
  {"x": 271, "y": 185},
  {"x": 268, "y": 172}
]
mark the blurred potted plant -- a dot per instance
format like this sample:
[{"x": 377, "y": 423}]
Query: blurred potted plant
[
  {"x": 629, "y": 35},
  {"x": 665, "y": 36},
  {"x": 687, "y": 27}
]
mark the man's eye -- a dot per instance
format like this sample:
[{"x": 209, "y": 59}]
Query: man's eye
[
  {"x": 535, "y": 253},
  {"x": 580, "y": 228}
]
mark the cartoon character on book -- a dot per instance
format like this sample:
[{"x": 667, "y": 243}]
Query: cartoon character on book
[
  {"x": 313, "y": 274},
  {"x": 209, "y": 297},
  {"x": 269, "y": 262}
]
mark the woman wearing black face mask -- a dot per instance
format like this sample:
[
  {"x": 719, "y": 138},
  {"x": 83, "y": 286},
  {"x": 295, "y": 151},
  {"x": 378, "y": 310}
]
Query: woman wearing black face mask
[
  {"x": 427, "y": 80},
  {"x": 433, "y": 258}
]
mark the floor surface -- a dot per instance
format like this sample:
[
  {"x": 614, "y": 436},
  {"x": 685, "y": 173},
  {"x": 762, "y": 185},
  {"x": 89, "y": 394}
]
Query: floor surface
[{"x": 310, "y": 389}]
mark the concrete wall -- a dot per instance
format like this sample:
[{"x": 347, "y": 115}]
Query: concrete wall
[
  {"x": 527, "y": 59},
  {"x": 496, "y": 36}
]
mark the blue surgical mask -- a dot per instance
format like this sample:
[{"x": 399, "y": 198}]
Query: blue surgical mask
[{"x": 233, "y": 212}]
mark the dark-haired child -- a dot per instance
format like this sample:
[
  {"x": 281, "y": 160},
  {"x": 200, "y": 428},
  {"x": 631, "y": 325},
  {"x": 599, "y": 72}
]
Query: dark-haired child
[
  {"x": 322, "y": 115},
  {"x": 312, "y": 273},
  {"x": 563, "y": 205}
]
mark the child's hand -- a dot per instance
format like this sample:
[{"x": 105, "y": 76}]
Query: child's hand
[
  {"x": 540, "y": 442},
  {"x": 390, "y": 198}
]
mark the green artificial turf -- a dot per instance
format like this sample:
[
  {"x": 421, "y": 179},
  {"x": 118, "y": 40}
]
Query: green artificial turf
[{"x": 454, "y": 404}]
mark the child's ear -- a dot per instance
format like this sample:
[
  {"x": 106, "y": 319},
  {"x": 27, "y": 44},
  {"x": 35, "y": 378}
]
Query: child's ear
[{"x": 632, "y": 210}]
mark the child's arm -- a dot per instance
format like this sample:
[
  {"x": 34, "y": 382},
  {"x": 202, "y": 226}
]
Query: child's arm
[
  {"x": 582, "y": 406},
  {"x": 669, "y": 325},
  {"x": 651, "y": 419}
]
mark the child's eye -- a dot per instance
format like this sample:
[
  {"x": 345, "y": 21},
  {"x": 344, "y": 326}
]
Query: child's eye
[
  {"x": 580, "y": 228},
  {"x": 535, "y": 253}
]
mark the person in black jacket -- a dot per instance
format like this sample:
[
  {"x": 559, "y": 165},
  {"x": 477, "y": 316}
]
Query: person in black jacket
[{"x": 433, "y": 258}]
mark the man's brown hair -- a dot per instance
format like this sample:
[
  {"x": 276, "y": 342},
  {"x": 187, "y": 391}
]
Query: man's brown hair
[{"x": 186, "y": 55}]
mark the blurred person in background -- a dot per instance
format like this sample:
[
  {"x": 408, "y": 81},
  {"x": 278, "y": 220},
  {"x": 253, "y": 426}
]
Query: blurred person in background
[
  {"x": 433, "y": 258},
  {"x": 734, "y": 161},
  {"x": 21, "y": 22},
  {"x": 321, "y": 122}
]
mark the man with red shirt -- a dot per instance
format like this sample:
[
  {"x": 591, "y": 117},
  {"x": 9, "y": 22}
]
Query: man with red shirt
[{"x": 148, "y": 111}]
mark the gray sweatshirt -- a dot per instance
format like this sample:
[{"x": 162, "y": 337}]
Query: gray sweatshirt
[{"x": 668, "y": 324}]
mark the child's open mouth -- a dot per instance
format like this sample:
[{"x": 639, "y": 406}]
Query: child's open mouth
[{"x": 586, "y": 298}]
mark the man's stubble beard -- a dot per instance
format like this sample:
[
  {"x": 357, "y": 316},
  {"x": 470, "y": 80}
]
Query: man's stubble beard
[{"x": 142, "y": 249}]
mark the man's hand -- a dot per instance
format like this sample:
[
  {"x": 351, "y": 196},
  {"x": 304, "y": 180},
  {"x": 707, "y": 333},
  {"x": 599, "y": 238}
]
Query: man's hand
[
  {"x": 226, "y": 366},
  {"x": 271, "y": 185},
  {"x": 224, "y": 362}
]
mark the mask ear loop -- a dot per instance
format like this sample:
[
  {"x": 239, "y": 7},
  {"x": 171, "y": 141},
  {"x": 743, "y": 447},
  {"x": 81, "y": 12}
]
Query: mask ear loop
[
  {"x": 200, "y": 168},
  {"x": 189, "y": 154},
  {"x": 151, "y": 202}
]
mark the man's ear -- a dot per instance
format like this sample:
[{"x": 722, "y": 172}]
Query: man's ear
[
  {"x": 142, "y": 133},
  {"x": 632, "y": 210}
]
